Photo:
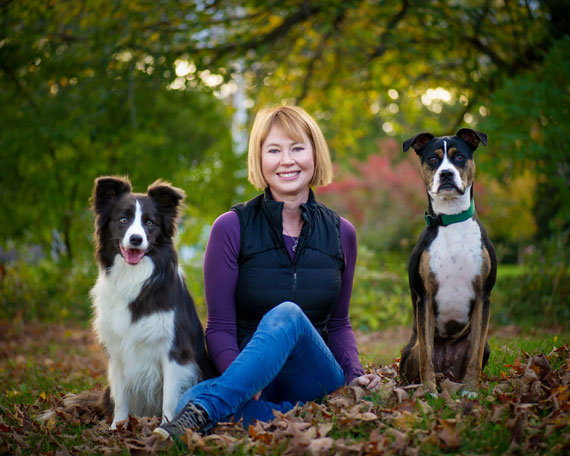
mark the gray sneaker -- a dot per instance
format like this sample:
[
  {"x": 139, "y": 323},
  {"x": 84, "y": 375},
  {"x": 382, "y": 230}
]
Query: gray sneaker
[{"x": 192, "y": 416}]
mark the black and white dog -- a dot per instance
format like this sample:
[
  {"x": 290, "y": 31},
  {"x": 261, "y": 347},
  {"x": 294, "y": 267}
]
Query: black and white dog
[
  {"x": 144, "y": 315},
  {"x": 451, "y": 270}
]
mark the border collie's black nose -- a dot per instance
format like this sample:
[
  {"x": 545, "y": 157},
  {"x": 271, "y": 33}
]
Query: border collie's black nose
[{"x": 135, "y": 240}]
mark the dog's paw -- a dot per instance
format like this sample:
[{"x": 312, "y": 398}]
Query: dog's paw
[
  {"x": 431, "y": 389},
  {"x": 118, "y": 423},
  {"x": 469, "y": 394},
  {"x": 426, "y": 391}
]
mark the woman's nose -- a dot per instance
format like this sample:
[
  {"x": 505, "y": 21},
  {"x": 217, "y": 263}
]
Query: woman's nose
[{"x": 286, "y": 157}]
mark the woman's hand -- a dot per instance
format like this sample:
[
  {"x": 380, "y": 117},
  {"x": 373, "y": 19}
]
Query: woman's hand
[{"x": 368, "y": 381}]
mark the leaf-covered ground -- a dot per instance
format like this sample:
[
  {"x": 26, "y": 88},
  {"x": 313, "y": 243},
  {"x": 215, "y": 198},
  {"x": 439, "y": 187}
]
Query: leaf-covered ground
[{"x": 523, "y": 406}]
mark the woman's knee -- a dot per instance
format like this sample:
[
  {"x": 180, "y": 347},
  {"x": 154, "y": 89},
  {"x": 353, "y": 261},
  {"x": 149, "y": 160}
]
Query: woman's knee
[{"x": 285, "y": 314}]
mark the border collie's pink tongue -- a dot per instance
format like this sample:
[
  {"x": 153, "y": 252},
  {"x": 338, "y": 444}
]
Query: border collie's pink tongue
[{"x": 132, "y": 256}]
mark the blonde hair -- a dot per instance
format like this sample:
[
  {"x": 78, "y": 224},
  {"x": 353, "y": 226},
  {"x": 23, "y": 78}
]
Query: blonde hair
[{"x": 292, "y": 120}]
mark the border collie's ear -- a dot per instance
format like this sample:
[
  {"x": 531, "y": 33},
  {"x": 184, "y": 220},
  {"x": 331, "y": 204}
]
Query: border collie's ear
[
  {"x": 472, "y": 137},
  {"x": 418, "y": 142},
  {"x": 107, "y": 189},
  {"x": 168, "y": 198}
]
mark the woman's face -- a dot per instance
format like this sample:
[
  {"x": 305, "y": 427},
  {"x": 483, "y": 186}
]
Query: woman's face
[{"x": 287, "y": 165}]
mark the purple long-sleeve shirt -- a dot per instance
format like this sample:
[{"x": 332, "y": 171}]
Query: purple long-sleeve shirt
[{"x": 220, "y": 280}]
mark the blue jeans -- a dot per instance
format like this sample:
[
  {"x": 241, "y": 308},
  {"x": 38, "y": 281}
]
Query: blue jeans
[{"x": 286, "y": 358}]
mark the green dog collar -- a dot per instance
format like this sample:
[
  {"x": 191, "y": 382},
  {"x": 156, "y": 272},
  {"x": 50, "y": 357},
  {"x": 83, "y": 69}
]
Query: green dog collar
[{"x": 444, "y": 220}]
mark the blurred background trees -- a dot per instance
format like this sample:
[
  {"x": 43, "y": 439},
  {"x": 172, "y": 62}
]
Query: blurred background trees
[{"x": 168, "y": 89}]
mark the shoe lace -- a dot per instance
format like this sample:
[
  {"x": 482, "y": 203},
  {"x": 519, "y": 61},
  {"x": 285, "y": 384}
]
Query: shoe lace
[{"x": 192, "y": 417}]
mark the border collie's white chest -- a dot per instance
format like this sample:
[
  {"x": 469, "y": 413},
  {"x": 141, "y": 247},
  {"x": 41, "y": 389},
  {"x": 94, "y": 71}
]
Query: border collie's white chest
[
  {"x": 455, "y": 260},
  {"x": 138, "y": 348},
  {"x": 112, "y": 294}
]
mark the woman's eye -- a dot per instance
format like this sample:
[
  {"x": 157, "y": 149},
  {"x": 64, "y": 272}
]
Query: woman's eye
[
  {"x": 298, "y": 149},
  {"x": 273, "y": 151},
  {"x": 123, "y": 220}
]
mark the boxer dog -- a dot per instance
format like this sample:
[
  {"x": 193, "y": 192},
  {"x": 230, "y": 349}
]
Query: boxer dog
[{"x": 451, "y": 270}]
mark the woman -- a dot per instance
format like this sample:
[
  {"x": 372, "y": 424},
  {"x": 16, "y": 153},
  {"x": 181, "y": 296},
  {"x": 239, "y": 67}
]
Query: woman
[{"x": 278, "y": 275}]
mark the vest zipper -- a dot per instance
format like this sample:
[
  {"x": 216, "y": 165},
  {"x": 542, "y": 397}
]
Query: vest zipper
[{"x": 294, "y": 285}]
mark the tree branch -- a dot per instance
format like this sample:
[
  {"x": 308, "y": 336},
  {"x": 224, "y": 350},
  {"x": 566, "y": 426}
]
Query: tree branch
[
  {"x": 304, "y": 12},
  {"x": 5, "y": 3},
  {"x": 381, "y": 49},
  {"x": 318, "y": 54}
]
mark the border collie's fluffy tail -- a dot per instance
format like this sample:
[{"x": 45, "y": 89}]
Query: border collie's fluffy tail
[{"x": 98, "y": 403}]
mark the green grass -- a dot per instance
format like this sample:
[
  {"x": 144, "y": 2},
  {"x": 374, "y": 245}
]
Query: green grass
[
  {"x": 46, "y": 362},
  {"x": 506, "y": 349}
]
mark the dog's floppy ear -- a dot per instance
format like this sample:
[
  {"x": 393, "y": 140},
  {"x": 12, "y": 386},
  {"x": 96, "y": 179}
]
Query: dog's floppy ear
[
  {"x": 106, "y": 190},
  {"x": 472, "y": 137},
  {"x": 169, "y": 200},
  {"x": 418, "y": 142}
]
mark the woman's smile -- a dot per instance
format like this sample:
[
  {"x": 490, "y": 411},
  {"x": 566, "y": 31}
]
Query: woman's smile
[{"x": 287, "y": 164}]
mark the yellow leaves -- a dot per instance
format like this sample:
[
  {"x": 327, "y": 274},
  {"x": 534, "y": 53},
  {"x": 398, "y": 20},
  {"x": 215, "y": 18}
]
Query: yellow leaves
[
  {"x": 405, "y": 421},
  {"x": 562, "y": 394}
]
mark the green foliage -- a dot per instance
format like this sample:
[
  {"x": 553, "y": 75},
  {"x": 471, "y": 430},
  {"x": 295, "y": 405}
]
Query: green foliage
[
  {"x": 529, "y": 128},
  {"x": 91, "y": 91},
  {"x": 380, "y": 295},
  {"x": 46, "y": 291},
  {"x": 506, "y": 348},
  {"x": 383, "y": 197},
  {"x": 538, "y": 291},
  {"x": 135, "y": 88}
]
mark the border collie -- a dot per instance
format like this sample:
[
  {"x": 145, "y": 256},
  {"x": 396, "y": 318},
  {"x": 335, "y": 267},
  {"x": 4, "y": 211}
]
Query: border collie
[{"x": 145, "y": 318}]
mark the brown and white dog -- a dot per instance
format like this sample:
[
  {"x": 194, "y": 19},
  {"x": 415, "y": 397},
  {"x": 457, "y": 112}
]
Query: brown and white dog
[{"x": 451, "y": 270}]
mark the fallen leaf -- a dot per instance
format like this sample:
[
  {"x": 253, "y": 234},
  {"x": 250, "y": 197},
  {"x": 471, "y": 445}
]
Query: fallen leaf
[
  {"x": 447, "y": 434},
  {"x": 320, "y": 446},
  {"x": 451, "y": 387},
  {"x": 401, "y": 394}
]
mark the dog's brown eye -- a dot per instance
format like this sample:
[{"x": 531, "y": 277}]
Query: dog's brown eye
[
  {"x": 432, "y": 160},
  {"x": 459, "y": 157},
  {"x": 149, "y": 223},
  {"x": 123, "y": 220}
]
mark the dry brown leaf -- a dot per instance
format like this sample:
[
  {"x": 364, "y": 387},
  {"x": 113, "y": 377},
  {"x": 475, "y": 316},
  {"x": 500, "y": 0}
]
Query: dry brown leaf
[
  {"x": 323, "y": 429},
  {"x": 399, "y": 444},
  {"x": 451, "y": 387},
  {"x": 448, "y": 434},
  {"x": 320, "y": 446},
  {"x": 401, "y": 394},
  {"x": 424, "y": 407},
  {"x": 358, "y": 393}
]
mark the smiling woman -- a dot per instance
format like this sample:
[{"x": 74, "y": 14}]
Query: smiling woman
[
  {"x": 278, "y": 275},
  {"x": 287, "y": 164}
]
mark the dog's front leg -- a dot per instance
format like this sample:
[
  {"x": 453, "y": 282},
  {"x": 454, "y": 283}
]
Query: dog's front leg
[
  {"x": 426, "y": 330},
  {"x": 118, "y": 393},
  {"x": 425, "y": 320},
  {"x": 478, "y": 337},
  {"x": 171, "y": 385},
  {"x": 479, "y": 324}
]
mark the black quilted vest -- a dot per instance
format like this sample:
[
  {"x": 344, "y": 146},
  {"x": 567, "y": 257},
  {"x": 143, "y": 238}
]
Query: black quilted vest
[{"x": 268, "y": 277}]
